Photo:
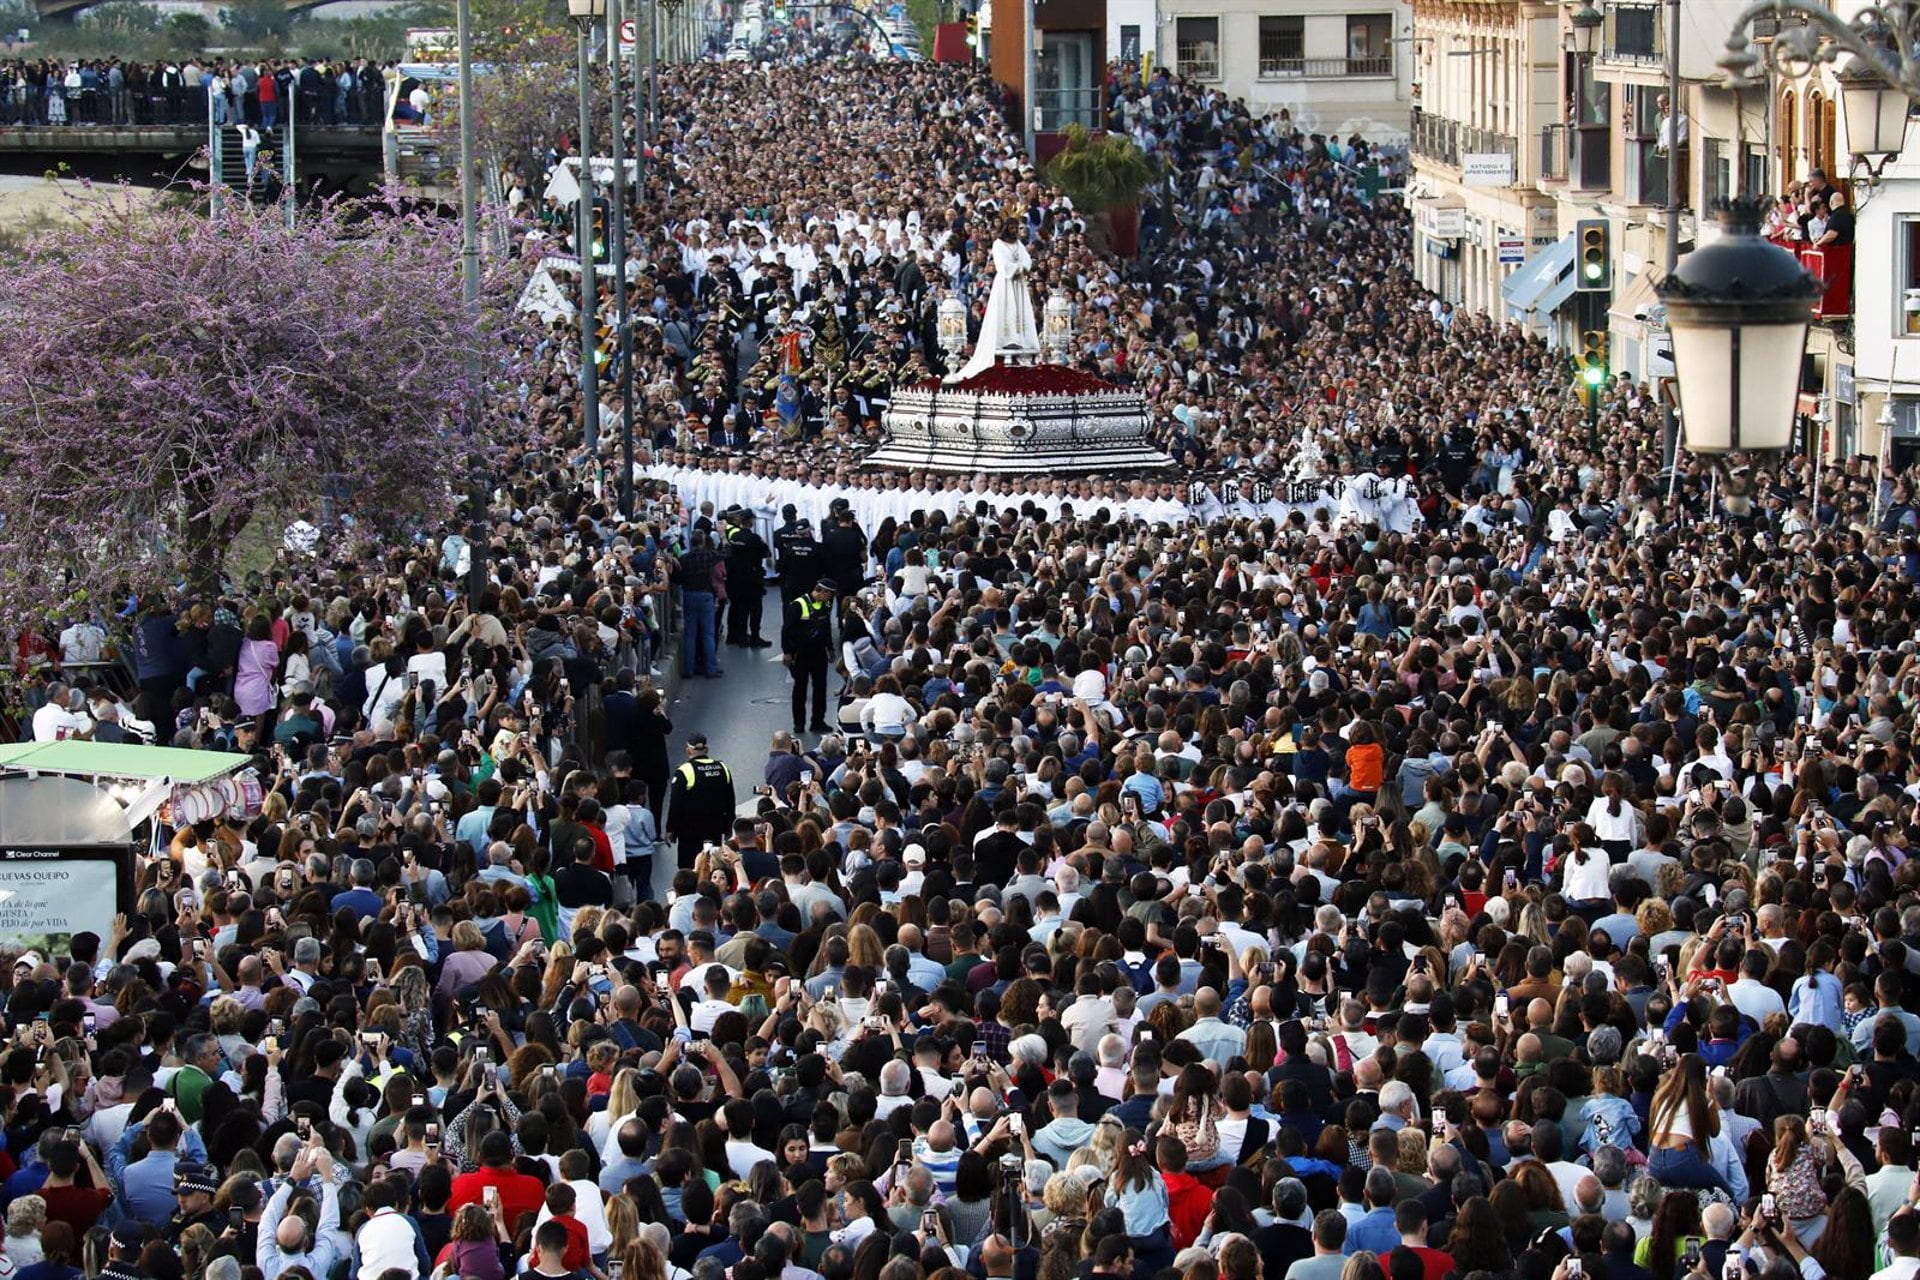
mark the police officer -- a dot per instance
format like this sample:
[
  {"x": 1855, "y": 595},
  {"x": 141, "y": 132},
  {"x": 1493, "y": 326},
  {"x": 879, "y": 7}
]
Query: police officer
[
  {"x": 797, "y": 554},
  {"x": 747, "y": 555},
  {"x": 700, "y": 801},
  {"x": 844, "y": 546},
  {"x": 806, "y": 643},
  {"x": 195, "y": 1186}
]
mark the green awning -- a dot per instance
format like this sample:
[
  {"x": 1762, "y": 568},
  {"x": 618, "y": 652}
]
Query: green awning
[{"x": 73, "y": 757}]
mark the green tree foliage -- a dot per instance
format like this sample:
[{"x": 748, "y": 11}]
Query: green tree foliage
[
  {"x": 1099, "y": 174},
  {"x": 253, "y": 22},
  {"x": 188, "y": 32}
]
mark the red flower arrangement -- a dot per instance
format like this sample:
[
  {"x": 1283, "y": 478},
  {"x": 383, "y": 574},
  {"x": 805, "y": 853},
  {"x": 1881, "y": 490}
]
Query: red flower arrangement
[{"x": 1025, "y": 380}]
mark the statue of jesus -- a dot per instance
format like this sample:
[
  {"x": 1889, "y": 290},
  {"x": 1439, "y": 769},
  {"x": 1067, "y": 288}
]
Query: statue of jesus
[{"x": 1009, "y": 328}]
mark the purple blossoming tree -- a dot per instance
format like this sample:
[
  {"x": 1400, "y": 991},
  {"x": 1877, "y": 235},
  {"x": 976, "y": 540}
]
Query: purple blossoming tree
[{"x": 165, "y": 378}]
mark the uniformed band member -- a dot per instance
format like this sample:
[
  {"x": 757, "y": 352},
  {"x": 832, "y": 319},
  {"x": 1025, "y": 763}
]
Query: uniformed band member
[
  {"x": 700, "y": 808},
  {"x": 806, "y": 643}
]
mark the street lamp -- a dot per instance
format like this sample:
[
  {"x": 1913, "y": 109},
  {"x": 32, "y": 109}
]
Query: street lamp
[
  {"x": 1875, "y": 112},
  {"x": 1586, "y": 22},
  {"x": 585, "y": 13},
  {"x": 1738, "y": 310}
]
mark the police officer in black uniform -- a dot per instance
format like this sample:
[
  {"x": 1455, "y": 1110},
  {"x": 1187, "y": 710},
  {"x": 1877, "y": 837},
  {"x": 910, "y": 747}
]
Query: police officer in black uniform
[
  {"x": 700, "y": 801},
  {"x": 194, "y": 1187},
  {"x": 806, "y": 644},
  {"x": 747, "y": 555},
  {"x": 844, "y": 547},
  {"x": 796, "y": 555}
]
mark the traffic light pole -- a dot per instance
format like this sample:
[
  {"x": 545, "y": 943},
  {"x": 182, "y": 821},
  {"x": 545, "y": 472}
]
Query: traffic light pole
[{"x": 589, "y": 286}]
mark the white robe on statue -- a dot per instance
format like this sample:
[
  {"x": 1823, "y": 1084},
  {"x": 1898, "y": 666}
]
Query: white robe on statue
[{"x": 1009, "y": 328}]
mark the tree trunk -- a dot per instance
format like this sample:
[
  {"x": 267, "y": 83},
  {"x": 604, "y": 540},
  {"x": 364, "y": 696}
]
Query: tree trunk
[
  {"x": 204, "y": 544},
  {"x": 1123, "y": 230}
]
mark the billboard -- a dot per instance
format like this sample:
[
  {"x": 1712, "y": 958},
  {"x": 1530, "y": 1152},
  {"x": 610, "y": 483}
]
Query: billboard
[{"x": 48, "y": 895}]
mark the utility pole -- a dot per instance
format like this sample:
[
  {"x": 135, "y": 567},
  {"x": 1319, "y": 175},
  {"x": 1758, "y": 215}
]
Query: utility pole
[
  {"x": 470, "y": 298},
  {"x": 1669, "y": 428},
  {"x": 1029, "y": 73},
  {"x": 617, "y": 258},
  {"x": 584, "y": 12}
]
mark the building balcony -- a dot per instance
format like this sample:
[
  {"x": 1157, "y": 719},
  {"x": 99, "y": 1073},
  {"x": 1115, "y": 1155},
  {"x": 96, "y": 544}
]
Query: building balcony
[
  {"x": 1438, "y": 138},
  {"x": 1833, "y": 268},
  {"x": 1285, "y": 68},
  {"x": 1635, "y": 36},
  {"x": 1577, "y": 154}
]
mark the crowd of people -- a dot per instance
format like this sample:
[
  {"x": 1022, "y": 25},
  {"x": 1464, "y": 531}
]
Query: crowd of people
[
  {"x": 264, "y": 93},
  {"x": 1187, "y": 879}
]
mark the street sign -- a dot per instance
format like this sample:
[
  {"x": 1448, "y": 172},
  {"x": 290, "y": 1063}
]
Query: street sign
[
  {"x": 629, "y": 36},
  {"x": 1513, "y": 250},
  {"x": 1485, "y": 169}
]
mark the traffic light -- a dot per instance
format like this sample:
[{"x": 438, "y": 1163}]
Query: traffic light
[
  {"x": 605, "y": 343},
  {"x": 973, "y": 31},
  {"x": 1593, "y": 358},
  {"x": 599, "y": 231},
  {"x": 1593, "y": 267}
]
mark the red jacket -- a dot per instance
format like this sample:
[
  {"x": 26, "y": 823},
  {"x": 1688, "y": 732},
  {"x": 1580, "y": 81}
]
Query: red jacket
[
  {"x": 519, "y": 1193},
  {"x": 1188, "y": 1203}
]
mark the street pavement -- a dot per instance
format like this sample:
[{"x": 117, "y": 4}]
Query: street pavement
[{"x": 739, "y": 713}]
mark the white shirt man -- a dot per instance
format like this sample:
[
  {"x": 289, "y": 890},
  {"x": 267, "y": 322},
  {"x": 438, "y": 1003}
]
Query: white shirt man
[{"x": 54, "y": 722}]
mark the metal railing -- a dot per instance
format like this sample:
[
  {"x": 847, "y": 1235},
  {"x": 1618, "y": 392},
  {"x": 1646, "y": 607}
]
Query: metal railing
[
  {"x": 1059, "y": 108},
  {"x": 1554, "y": 148},
  {"x": 1193, "y": 66},
  {"x": 1636, "y": 35},
  {"x": 1439, "y": 138},
  {"x": 1324, "y": 68}
]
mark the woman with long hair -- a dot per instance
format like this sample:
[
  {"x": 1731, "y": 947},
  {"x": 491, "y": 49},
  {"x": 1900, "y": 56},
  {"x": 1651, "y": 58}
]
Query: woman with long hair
[
  {"x": 1794, "y": 1175},
  {"x": 1615, "y": 822},
  {"x": 1137, "y": 1190},
  {"x": 1675, "y": 1222},
  {"x": 1195, "y": 1113},
  {"x": 1681, "y": 1120},
  {"x": 862, "y": 1213},
  {"x": 1846, "y": 1246}
]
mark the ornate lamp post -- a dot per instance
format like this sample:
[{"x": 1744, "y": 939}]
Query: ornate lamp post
[
  {"x": 1586, "y": 22},
  {"x": 1738, "y": 310},
  {"x": 951, "y": 323},
  {"x": 1884, "y": 68},
  {"x": 1875, "y": 111},
  {"x": 1056, "y": 328}
]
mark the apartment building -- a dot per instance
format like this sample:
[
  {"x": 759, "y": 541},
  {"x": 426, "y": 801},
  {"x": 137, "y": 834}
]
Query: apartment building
[
  {"x": 1336, "y": 68},
  {"x": 1485, "y": 83}
]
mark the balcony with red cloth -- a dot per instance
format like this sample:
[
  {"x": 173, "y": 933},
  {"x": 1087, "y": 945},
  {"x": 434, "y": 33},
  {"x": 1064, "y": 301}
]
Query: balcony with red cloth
[{"x": 1832, "y": 266}]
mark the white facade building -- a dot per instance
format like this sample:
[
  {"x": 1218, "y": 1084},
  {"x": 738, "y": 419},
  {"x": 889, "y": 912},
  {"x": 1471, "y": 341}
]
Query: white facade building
[{"x": 1336, "y": 68}]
